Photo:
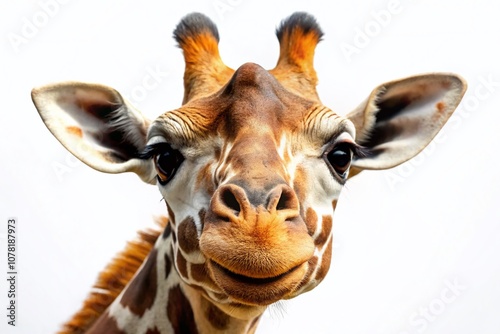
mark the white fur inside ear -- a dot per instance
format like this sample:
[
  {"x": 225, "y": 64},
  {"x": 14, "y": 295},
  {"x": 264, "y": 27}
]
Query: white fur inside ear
[
  {"x": 96, "y": 125},
  {"x": 400, "y": 118}
]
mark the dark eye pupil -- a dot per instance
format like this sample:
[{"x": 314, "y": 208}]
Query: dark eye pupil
[
  {"x": 168, "y": 163},
  {"x": 340, "y": 158}
]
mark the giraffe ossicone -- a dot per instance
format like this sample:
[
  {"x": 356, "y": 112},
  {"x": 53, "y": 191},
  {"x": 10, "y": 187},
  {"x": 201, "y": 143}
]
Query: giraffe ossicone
[{"x": 250, "y": 167}]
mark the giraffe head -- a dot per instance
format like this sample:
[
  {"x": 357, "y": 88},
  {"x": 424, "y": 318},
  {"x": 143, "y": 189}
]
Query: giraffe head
[{"x": 252, "y": 164}]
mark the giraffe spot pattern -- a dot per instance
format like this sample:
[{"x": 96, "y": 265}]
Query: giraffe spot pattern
[
  {"x": 141, "y": 293},
  {"x": 188, "y": 236},
  {"x": 153, "y": 331},
  {"x": 311, "y": 221},
  {"x": 326, "y": 229},
  {"x": 180, "y": 312}
]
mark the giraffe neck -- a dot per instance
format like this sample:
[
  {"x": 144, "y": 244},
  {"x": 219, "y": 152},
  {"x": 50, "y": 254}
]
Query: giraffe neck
[{"x": 158, "y": 301}]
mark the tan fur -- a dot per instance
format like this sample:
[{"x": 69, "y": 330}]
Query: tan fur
[
  {"x": 205, "y": 72},
  {"x": 295, "y": 69},
  {"x": 113, "y": 279}
]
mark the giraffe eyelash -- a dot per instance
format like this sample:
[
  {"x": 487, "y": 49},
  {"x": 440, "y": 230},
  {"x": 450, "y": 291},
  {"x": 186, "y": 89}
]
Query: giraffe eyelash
[
  {"x": 151, "y": 150},
  {"x": 360, "y": 151}
]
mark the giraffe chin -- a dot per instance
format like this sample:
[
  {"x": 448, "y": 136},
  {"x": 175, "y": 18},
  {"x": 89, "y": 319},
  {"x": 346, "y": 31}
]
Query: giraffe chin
[{"x": 257, "y": 291}]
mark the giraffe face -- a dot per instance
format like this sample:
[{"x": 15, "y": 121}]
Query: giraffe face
[
  {"x": 252, "y": 164},
  {"x": 249, "y": 174}
]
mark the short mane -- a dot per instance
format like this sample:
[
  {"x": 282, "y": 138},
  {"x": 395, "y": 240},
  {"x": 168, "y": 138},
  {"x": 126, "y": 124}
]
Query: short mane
[{"x": 113, "y": 279}]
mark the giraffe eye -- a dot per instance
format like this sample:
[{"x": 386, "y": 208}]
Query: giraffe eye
[
  {"x": 340, "y": 158},
  {"x": 167, "y": 163}
]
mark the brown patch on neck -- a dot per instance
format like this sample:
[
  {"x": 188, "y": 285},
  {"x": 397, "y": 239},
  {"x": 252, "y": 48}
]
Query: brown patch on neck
[
  {"x": 141, "y": 293},
  {"x": 153, "y": 331},
  {"x": 113, "y": 279},
  {"x": 180, "y": 312}
]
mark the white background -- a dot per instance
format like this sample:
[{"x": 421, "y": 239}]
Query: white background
[{"x": 402, "y": 237}]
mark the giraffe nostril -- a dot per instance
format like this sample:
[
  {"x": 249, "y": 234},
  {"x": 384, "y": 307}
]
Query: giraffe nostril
[
  {"x": 283, "y": 198},
  {"x": 286, "y": 201},
  {"x": 229, "y": 200}
]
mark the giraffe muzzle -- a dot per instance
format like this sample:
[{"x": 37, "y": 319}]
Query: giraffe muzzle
[{"x": 257, "y": 246}]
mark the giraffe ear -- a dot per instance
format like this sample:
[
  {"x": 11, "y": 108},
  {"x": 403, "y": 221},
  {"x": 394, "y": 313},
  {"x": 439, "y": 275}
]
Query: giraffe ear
[
  {"x": 400, "y": 118},
  {"x": 97, "y": 125}
]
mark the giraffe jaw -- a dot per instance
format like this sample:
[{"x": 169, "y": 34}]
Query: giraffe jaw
[{"x": 257, "y": 291}]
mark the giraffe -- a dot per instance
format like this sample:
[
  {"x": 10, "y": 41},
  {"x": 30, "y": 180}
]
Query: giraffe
[{"x": 250, "y": 167}]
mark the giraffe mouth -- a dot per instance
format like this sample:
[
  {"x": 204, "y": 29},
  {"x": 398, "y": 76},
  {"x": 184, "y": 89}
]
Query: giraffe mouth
[{"x": 256, "y": 291}]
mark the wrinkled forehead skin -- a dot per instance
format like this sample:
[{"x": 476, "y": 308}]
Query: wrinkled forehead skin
[{"x": 253, "y": 109}]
